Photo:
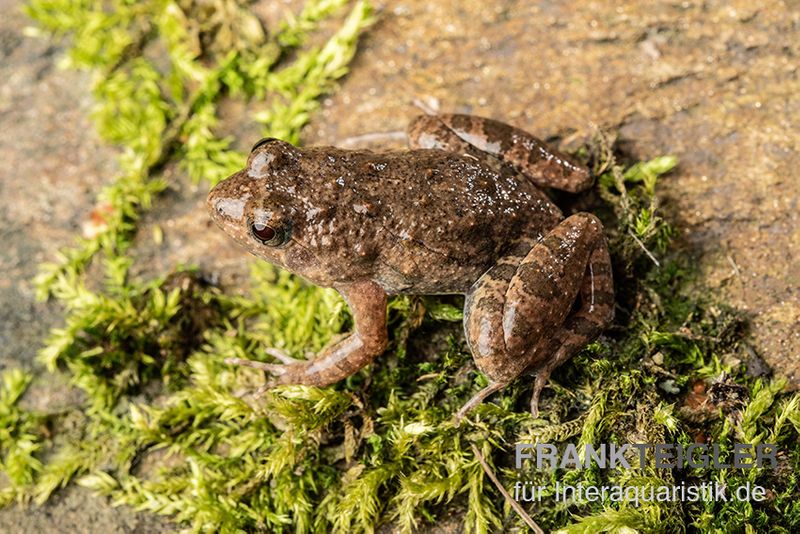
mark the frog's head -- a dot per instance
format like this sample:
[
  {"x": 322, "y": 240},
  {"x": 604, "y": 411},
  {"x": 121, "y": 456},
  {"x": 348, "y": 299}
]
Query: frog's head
[{"x": 258, "y": 207}]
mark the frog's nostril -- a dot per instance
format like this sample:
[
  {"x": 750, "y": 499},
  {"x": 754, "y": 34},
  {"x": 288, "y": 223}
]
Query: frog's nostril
[{"x": 230, "y": 208}]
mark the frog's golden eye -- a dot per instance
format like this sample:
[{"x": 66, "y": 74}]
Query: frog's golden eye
[
  {"x": 269, "y": 235},
  {"x": 262, "y": 142}
]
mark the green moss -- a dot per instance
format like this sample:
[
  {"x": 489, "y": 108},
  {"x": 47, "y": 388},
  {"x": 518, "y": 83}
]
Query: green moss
[
  {"x": 170, "y": 428},
  {"x": 20, "y": 437}
]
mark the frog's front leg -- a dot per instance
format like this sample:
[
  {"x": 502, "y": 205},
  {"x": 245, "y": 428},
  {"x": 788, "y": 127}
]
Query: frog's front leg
[
  {"x": 517, "y": 316},
  {"x": 367, "y": 302}
]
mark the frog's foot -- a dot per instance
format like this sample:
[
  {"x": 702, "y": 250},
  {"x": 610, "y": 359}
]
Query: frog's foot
[
  {"x": 561, "y": 351},
  {"x": 542, "y": 373},
  {"x": 478, "y": 398},
  {"x": 282, "y": 373},
  {"x": 292, "y": 371}
]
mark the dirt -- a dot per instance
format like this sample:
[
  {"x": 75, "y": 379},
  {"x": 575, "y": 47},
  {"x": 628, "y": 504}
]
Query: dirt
[{"x": 714, "y": 83}]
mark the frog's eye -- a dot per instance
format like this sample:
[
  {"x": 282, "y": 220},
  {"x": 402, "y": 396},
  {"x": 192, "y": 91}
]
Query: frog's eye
[
  {"x": 262, "y": 143},
  {"x": 269, "y": 235},
  {"x": 263, "y": 232}
]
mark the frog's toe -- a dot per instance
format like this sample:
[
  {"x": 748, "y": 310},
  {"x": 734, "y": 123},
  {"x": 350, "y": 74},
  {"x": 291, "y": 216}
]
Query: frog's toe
[
  {"x": 478, "y": 398},
  {"x": 273, "y": 368},
  {"x": 535, "y": 402},
  {"x": 282, "y": 355},
  {"x": 295, "y": 372},
  {"x": 538, "y": 385}
]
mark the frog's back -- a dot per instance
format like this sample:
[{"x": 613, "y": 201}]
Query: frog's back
[{"x": 432, "y": 221}]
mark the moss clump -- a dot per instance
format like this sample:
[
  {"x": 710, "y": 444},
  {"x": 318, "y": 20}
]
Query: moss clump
[
  {"x": 20, "y": 436},
  {"x": 169, "y": 428}
]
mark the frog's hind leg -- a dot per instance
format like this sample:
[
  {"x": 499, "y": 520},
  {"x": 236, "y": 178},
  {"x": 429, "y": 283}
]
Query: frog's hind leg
[
  {"x": 479, "y": 137},
  {"x": 483, "y": 322},
  {"x": 429, "y": 131},
  {"x": 594, "y": 314},
  {"x": 513, "y": 310}
]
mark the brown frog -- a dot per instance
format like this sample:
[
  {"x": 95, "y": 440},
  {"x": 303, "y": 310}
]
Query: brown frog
[{"x": 460, "y": 212}]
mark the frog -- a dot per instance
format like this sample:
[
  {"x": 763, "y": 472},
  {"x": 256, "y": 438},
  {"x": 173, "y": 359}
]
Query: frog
[{"x": 463, "y": 210}]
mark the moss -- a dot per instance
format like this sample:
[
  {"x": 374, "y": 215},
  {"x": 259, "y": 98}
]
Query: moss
[
  {"x": 169, "y": 428},
  {"x": 20, "y": 437}
]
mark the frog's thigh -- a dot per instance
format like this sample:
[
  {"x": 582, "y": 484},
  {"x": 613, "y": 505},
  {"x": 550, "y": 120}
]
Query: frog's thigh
[{"x": 510, "y": 312}]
